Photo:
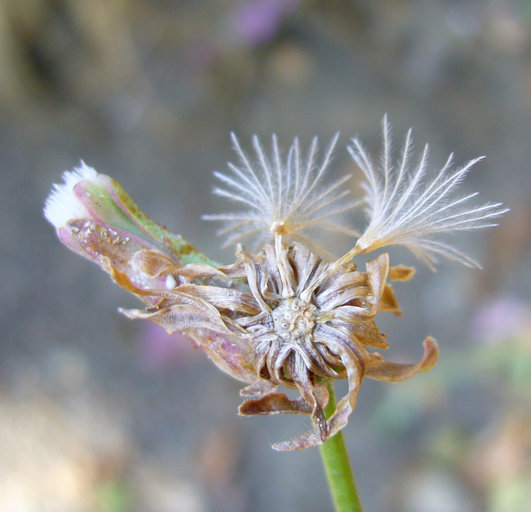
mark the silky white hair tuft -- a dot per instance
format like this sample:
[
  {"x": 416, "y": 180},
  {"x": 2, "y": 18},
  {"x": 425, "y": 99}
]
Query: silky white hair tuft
[
  {"x": 282, "y": 196},
  {"x": 62, "y": 205},
  {"x": 406, "y": 207}
]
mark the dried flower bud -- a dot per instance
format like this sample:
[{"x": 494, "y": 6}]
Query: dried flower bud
[{"x": 94, "y": 217}]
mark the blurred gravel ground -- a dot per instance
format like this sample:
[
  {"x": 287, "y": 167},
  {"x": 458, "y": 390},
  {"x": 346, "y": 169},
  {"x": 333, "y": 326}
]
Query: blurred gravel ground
[{"x": 100, "y": 414}]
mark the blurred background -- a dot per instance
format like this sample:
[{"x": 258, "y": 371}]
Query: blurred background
[{"x": 98, "y": 413}]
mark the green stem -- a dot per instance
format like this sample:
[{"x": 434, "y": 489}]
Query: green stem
[{"x": 337, "y": 466}]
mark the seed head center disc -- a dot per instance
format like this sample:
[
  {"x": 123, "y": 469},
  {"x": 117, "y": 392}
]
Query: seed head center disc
[{"x": 294, "y": 319}]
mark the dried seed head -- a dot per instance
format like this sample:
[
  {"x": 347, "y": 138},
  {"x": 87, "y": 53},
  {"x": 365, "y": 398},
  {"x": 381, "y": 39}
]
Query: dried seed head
[
  {"x": 314, "y": 324},
  {"x": 284, "y": 315}
]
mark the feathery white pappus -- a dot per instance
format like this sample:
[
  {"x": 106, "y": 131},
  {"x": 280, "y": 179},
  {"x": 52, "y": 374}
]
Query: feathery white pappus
[
  {"x": 283, "y": 196},
  {"x": 404, "y": 205},
  {"x": 62, "y": 205}
]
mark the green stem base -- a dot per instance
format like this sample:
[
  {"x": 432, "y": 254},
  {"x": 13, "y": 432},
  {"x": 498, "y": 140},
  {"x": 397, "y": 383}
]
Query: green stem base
[{"x": 337, "y": 466}]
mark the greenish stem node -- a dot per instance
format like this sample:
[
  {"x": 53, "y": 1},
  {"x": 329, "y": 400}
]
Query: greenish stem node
[{"x": 337, "y": 466}]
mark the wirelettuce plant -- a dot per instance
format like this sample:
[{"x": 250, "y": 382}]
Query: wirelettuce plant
[{"x": 288, "y": 313}]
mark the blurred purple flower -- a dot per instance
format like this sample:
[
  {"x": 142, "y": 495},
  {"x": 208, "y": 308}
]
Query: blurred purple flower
[
  {"x": 160, "y": 350},
  {"x": 257, "y": 21},
  {"x": 501, "y": 318}
]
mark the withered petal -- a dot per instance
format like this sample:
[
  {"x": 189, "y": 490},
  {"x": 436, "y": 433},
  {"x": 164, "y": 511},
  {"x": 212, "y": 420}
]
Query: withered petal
[
  {"x": 123, "y": 280},
  {"x": 315, "y": 398},
  {"x": 256, "y": 321},
  {"x": 268, "y": 260},
  {"x": 223, "y": 298},
  {"x": 260, "y": 387},
  {"x": 338, "y": 283},
  {"x": 339, "y": 419},
  {"x": 154, "y": 263},
  {"x": 206, "y": 312},
  {"x": 401, "y": 273},
  {"x": 254, "y": 274},
  {"x": 194, "y": 271},
  {"x": 177, "y": 318},
  {"x": 230, "y": 353},
  {"x": 306, "y": 264},
  {"x": 307, "y": 391},
  {"x": 383, "y": 370},
  {"x": 377, "y": 271},
  {"x": 287, "y": 277},
  {"x": 389, "y": 302},
  {"x": 347, "y": 314},
  {"x": 235, "y": 270},
  {"x": 346, "y": 405},
  {"x": 368, "y": 333},
  {"x": 110, "y": 247},
  {"x": 274, "y": 403},
  {"x": 341, "y": 297}
]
